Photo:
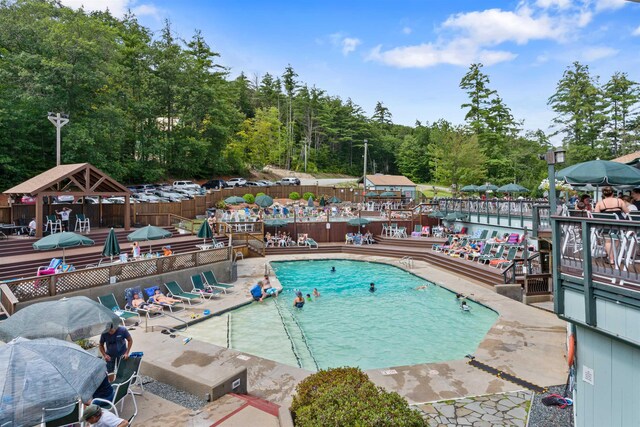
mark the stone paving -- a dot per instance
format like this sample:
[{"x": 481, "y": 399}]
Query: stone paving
[{"x": 504, "y": 409}]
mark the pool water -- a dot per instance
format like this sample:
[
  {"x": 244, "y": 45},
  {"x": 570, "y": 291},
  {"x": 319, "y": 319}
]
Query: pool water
[{"x": 348, "y": 325}]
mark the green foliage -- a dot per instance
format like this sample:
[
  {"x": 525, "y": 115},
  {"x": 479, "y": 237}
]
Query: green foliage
[
  {"x": 260, "y": 194},
  {"x": 221, "y": 204},
  {"x": 249, "y": 198},
  {"x": 346, "y": 397},
  {"x": 308, "y": 194},
  {"x": 294, "y": 195}
]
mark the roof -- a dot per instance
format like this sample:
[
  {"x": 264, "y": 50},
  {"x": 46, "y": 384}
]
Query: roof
[
  {"x": 77, "y": 178},
  {"x": 390, "y": 180},
  {"x": 628, "y": 159}
]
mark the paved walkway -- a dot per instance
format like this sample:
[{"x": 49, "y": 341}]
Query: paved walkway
[{"x": 504, "y": 409}]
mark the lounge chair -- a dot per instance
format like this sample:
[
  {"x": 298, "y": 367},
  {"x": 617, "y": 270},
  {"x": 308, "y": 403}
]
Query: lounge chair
[
  {"x": 348, "y": 238},
  {"x": 417, "y": 231},
  {"x": 210, "y": 278},
  {"x": 128, "y": 296},
  {"x": 51, "y": 268},
  {"x": 199, "y": 287},
  {"x": 111, "y": 303},
  {"x": 310, "y": 243},
  {"x": 506, "y": 260},
  {"x": 455, "y": 246},
  {"x": 152, "y": 291},
  {"x": 426, "y": 231},
  {"x": 485, "y": 259},
  {"x": 441, "y": 247},
  {"x": 486, "y": 250},
  {"x": 72, "y": 417},
  {"x": 514, "y": 239},
  {"x": 126, "y": 376},
  {"x": 176, "y": 291}
]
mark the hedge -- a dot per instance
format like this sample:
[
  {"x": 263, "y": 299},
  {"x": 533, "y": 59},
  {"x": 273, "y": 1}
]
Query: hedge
[
  {"x": 294, "y": 195},
  {"x": 307, "y": 195},
  {"x": 346, "y": 397},
  {"x": 249, "y": 198}
]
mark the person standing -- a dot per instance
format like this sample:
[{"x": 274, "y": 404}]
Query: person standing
[
  {"x": 115, "y": 344},
  {"x": 64, "y": 216},
  {"x": 135, "y": 250}
]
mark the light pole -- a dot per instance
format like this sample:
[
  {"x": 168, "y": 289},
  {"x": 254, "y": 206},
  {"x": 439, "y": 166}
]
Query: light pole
[
  {"x": 364, "y": 176},
  {"x": 58, "y": 121},
  {"x": 553, "y": 157}
]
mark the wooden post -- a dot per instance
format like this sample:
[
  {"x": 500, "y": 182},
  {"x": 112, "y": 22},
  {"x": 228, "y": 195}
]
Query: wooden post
[
  {"x": 39, "y": 216},
  {"x": 127, "y": 211}
]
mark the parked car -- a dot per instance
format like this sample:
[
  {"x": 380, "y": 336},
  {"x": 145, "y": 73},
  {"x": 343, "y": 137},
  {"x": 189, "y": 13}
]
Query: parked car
[
  {"x": 91, "y": 200},
  {"x": 27, "y": 200},
  {"x": 184, "y": 185},
  {"x": 189, "y": 194},
  {"x": 290, "y": 180},
  {"x": 237, "y": 182},
  {"x": 254, "y": 184},
  {"x": 65, "y": 198},
  {"x": 215, "y": 184},
  {"x": 172, "y": 197},
  {"x": 267, "y": 183}
]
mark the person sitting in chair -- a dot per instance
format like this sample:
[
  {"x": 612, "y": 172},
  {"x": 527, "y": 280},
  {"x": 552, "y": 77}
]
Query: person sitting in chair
[
  {"x": 166, "y": 251},
  {"x": 32, "y": 227},
  {"x": 160, "y": 298},
  {"x": 96, "y": 416},
  {"x": 139, "y": 302}
]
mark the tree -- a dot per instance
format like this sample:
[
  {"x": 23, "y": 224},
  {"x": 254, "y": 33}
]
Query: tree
[
  {"x": 456, "y": 155},
  {"x": 381, "y": 114},
  {"x": 290, "y": 85},
  {"x": 622, "y": 96},
  {"x": 476, "y": 85}
]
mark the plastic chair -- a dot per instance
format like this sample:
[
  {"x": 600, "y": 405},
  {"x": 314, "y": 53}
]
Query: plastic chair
[
  {"x": 53, "y": 224},
  {"x": 72, "y": 414},
  {"x": 82, "y": 223}
]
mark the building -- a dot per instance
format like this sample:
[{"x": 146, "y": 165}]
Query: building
[
  {"x": 396, "y": 183},
  {"x": 632, "y": 159}
]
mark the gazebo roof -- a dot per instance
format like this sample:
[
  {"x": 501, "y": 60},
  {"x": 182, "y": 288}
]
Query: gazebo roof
[
  {"x": 389, "y": 180},
  {"x": 79, "y": 178}
]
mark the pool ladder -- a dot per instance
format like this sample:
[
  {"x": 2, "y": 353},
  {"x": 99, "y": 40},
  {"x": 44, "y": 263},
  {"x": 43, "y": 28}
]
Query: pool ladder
[{"x": 407, "y": 261}]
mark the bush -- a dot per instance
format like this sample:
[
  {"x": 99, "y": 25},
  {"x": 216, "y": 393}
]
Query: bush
[
  {"x": 249, "y": 198},
  {"x": 260, "y": 194},
  {"x": 221, "y": 205},
  {"x": 294, "y": 195},
  {"x": 307, "y": 195},
  {"x": 346, "y": 396}
]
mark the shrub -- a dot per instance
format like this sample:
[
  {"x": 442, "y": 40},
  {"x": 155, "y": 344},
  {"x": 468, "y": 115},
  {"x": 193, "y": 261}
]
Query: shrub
[
  {"x": 294, "y": 195},
  {"x": 249, "y": 198},
  {"x": 307, "y": 195},
  {"x": 346, "y": 396},
  {"x": 221, "y": 204},
  {"x": 260, "y": 194}
]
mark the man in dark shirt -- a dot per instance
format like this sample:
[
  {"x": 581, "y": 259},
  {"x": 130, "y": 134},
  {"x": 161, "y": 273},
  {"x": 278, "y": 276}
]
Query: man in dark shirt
[
  {"x": 115, "y": 344},
  {"x": 635, "y": 195}
]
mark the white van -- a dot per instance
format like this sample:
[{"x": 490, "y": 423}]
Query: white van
[{"x": 185, "y": 185}]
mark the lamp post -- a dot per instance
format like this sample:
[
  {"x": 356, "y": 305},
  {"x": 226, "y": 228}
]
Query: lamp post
[
  {"x": 553, "y": 157},
  {"x": 364, "y": 176},
  {"x": 58, "y": 121}
]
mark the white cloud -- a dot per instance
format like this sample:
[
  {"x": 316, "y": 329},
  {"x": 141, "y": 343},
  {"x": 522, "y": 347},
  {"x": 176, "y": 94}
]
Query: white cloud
[
  {"x": 598, "y": 52},
  {"x": 636, "y": 32},
  {"x": 346, "y": 44},
  {"x": 494, "y": 26},
  {"x": 609, "y": 4},
  {"x": 407, "y": 30},
  {"x": 117, "y": 7},
  {"x": 460, "y": 52},
  {"x": 547, "y": 4}
]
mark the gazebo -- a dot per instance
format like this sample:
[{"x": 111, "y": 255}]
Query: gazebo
[{"x": 78, "y": 180}]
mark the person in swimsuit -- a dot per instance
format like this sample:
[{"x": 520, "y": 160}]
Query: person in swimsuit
[
  {"x": 333, "y": 269},
  {"x": 309, "y": 297},
  {"x": 464, "y": 306},
  {"x": 299, "y": 301},
  {"x": 372, "y": 287},
  {"x": 611, "y": 204},
  {"x": 316, "y": 293}
]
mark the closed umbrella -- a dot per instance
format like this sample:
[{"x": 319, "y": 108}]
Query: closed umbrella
[
  {"x": 371, "y": 194},
  {"x": 66, "y": 319},
  {"x": 63, "y": 240},
  {"x": 436, "y": 214},
  {"x": 334, "y": 200},
  {"x": 323, "y": 202},
  {"x": 454, "y": 216},
  {"x": 310, "y": 202},
  {"x": 111, "y": 247},
  {"x": 264, "y": 201},
  {"x": 205, "y": 232},
  {"x": 513, "y": 188},
  {"x": 234, "y": 200},
  {"x": 148, "y": 233},
  {"x": 600, "y": 172},
  {"x": 44, "y": 373}
]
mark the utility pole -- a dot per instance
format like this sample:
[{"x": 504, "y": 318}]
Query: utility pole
[
  {"x": 364, "y": 177},
  {"x": 58, "y": 121}
]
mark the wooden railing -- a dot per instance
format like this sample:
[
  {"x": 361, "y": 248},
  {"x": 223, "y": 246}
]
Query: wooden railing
[{"x": 56, "y": 284}]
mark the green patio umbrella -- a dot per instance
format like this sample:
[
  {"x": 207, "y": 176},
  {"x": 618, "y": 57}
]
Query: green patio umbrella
[
  {"x": 264, "y": 201},
  {"x": 63, "y": 240},
  {"x": 334, "y": 199},
  {"x": 275, "y": 223},
  {"x": 234, "y": 200},
  {"x": 371, "y": 194},
  {"x": 205, "y": 232},
  {"x": 513, "y": 188},
  {"x": 469, "y": 188},
  {"x": 436, "y": 214},
  {"x": 600, "y": 172},
  {"x": 388, "y": 194},
  {"x": 148, "y": 233},
  {"x": 322, "y": 202},
  {"x": 487, "y": 187},
  {"x": 358, "y": 221},
  {"x": 454, "y": 216},
  {"x": 111, "y": 247}
]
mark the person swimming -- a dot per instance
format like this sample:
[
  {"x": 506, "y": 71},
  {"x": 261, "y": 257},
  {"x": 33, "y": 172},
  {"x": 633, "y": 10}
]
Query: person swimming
[
  {"x": 372, "y": 287},
  {"x": 316, "y": 293},
  {"x": 299, "y": 301},
  {"x": 458, "y": 296},
  {"x": 333, "y": 269},
  {"x": 309, "y": 297},
  {"x": 419, "y": 288},
  {"x": 464, "y": 306}
]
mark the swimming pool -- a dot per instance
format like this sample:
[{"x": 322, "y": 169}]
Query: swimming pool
[{"x": 348, "y": 325}]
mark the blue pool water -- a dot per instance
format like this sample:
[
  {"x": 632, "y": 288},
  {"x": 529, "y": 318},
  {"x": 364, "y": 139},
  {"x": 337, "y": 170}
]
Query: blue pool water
[{"x": 348, "y": 325}]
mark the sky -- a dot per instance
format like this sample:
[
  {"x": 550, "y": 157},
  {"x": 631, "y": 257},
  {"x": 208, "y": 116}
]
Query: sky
[{"x": 410, "y": 54}]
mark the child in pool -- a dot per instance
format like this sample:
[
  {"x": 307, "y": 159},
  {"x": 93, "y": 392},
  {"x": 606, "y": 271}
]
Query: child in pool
[
  {"x": 316, "y": 293},
  {"x": 309, "y": 298},
  {"x": 464, "y": 306},
  {"x": 372, "y": 287}
]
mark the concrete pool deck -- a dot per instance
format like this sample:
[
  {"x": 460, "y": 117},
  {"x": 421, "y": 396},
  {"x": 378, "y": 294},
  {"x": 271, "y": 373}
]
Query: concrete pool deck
[{"x": 525, "y": 341}]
